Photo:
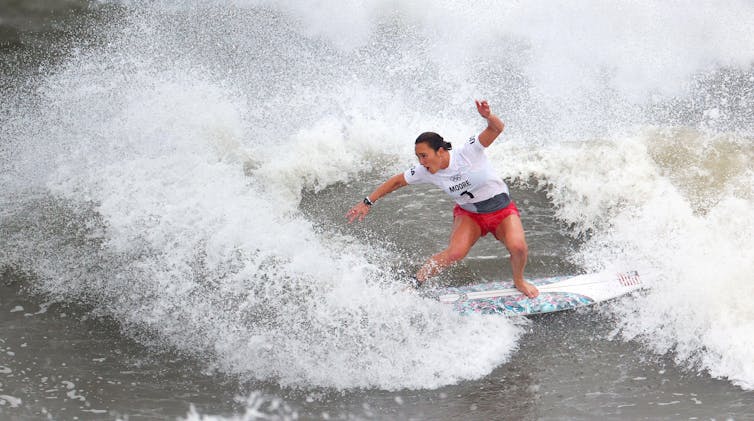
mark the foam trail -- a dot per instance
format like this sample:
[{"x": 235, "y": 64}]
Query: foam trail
[{"x": 162, "y": 208}]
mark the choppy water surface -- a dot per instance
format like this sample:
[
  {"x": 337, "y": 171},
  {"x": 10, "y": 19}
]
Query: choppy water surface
[{"x": 174, "y": 178}]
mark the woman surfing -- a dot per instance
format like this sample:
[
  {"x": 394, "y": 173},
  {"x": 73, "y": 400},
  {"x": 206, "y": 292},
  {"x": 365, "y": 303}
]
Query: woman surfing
[{"x": 483, "y": 203}]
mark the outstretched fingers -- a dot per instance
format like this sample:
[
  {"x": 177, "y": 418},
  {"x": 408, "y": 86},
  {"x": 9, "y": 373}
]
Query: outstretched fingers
[{"x": 359, "y": 211}]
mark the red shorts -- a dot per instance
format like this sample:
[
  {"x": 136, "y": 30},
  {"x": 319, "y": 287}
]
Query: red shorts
[{"x": 488, "y": 222}]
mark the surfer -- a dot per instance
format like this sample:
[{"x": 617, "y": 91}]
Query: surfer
[{"x": 483, "y": 203}]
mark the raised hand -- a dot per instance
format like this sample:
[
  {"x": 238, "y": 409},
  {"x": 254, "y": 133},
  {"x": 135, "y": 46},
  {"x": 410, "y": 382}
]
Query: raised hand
[{"x": 483, "y": 107}]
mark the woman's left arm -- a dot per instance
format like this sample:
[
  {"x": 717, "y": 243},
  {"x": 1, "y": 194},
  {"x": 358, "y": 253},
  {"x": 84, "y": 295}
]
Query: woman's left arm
[{"x": 495, "y": 126}]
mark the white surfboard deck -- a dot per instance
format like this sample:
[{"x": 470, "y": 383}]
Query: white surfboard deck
[{"x": 555, "y": 294}]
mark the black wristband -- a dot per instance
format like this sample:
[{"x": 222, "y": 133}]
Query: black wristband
[{"x": 368, "y": 202}]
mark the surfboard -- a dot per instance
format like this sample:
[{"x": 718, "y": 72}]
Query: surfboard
[{"x": 555, "y": 294}]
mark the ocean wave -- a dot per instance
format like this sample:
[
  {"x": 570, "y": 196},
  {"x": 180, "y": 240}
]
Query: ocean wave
[{"x": 155, "y": 174}]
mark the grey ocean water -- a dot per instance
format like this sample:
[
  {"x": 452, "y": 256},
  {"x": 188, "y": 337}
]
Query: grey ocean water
[{"x": 174, "y": 179}]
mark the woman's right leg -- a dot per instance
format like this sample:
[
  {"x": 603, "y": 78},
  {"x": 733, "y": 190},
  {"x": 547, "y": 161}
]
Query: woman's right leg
[{"x": 465, "y": 233}]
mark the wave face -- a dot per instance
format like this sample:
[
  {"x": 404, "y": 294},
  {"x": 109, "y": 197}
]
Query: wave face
[{"x": 155, "y": 174}]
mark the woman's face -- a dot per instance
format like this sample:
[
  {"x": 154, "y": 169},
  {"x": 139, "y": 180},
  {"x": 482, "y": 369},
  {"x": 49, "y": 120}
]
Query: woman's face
[{"x": 430, "y": 159}]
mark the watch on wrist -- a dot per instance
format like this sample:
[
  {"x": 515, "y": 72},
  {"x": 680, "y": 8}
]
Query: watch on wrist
[{"x": 368, "y": 202}]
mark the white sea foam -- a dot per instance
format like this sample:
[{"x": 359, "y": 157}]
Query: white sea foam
[
  {"x": 257, "y": 406},
  {"x": 198, "y": 242},
  {"x": 680, "y": 204},
  {"x": 10, "y": 401}
]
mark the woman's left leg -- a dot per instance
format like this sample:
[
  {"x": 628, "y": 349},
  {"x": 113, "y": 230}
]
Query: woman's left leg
[{"x": 511, "y": 233}]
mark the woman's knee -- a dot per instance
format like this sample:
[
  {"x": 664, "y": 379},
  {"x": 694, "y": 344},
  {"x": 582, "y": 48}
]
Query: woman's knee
[
  {"x": 517, "y": 247},
  {"x": 455, "y": 254}
]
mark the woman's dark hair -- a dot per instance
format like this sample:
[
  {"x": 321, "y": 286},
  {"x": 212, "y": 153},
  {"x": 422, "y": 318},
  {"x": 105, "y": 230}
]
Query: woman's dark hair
[{"x": 434, "y": 140}]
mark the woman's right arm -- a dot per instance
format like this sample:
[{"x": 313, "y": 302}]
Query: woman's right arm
[{"x": 362, "y": 209}]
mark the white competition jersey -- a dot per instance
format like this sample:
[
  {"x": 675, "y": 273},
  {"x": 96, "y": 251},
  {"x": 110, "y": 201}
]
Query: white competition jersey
[{"x": 469, "y": 178}]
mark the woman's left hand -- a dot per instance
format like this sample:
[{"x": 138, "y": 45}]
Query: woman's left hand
[{"x": 483, "y": 107}]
